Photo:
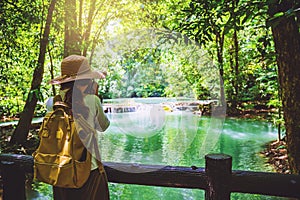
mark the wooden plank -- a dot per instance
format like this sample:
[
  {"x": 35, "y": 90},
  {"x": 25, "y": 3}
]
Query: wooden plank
[
  {"x": 273, "y": 184},
  {"x": 13, "y": 181},
  {"x": 218, "y": 171},
  {"x": 156, "y": 175}
]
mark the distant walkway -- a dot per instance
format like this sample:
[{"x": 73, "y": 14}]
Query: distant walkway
[{"x": 10, "y": 124}]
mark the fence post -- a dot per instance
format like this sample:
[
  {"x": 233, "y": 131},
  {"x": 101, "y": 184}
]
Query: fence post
[
  {"x": 218, "y": 168},
  {"x": 13, "y": 181}
]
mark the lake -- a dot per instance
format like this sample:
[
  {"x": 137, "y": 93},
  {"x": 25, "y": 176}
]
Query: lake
[{"x": 180, "y": 138}]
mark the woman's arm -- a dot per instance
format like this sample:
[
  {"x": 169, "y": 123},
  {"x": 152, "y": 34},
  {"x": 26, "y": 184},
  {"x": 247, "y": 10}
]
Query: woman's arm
[
  {"x": 97, "y": 116},
  {"x": 101, "y": 117}
]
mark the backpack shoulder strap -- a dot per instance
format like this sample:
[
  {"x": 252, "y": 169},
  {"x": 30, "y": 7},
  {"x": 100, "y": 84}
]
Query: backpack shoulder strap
[{"x": 59, "y": 103}]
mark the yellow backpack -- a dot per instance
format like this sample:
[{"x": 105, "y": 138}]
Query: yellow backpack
[{"x": 61, "y": 159}]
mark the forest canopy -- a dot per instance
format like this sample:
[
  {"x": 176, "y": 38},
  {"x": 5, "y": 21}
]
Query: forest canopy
[{"x": 248, "y": 69}]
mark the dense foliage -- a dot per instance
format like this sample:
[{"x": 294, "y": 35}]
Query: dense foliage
[
  {"x": 234, "y": 35},
  {"x": 248, "y": 69}
]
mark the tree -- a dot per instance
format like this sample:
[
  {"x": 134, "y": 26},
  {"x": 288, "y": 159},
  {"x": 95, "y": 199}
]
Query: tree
[
  {"x": 21, "y": 132},
  {"x": 86, "y": 22},
  {"x": 79, "y": 38},
  {"x": 202, "y": 21},
  {"x": 72, "y": 35},
  {"x": 285, "y": 24},
  {"x": 210, "y": 24},
  {"x": 17, "y": 50}
]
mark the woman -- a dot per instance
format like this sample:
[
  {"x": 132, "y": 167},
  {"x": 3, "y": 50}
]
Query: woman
[{"x": 79, "y": 92}]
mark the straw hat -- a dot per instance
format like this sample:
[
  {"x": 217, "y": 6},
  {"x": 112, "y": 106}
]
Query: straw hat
[{"x": 76, "y": 67}]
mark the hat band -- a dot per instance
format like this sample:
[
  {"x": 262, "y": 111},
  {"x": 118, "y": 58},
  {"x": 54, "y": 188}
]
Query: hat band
[{"x": 73, "y": 75}]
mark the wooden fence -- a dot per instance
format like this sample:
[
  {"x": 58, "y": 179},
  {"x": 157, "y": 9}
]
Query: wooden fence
[{"x": 217, "y": 178}]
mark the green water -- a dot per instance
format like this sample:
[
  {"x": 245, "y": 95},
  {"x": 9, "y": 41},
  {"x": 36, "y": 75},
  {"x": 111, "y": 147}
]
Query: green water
[{"x": 179, "y": 139}]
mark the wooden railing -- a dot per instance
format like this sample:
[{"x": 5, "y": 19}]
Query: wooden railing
[{"x": 217, "y": 178}]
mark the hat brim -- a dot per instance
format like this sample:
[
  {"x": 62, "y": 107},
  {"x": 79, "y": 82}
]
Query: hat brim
[{"x": 86, "y": 75}]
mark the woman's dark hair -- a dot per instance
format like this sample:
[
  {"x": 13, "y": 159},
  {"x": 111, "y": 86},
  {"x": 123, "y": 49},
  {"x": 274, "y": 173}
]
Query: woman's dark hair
[{"x": 74, "y": 99}]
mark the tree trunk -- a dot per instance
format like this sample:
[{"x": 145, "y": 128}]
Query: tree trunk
[
  {"x": 72, "y": 36},
  {"x": 236, "y": 66},
  {"x": 86, "y": 36},
  {"x": 21, "y": 132},
  {"x": 220, "y": 45},
  {"x": 287, "y": 44},
  {"x": 234, "y": 56}
]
